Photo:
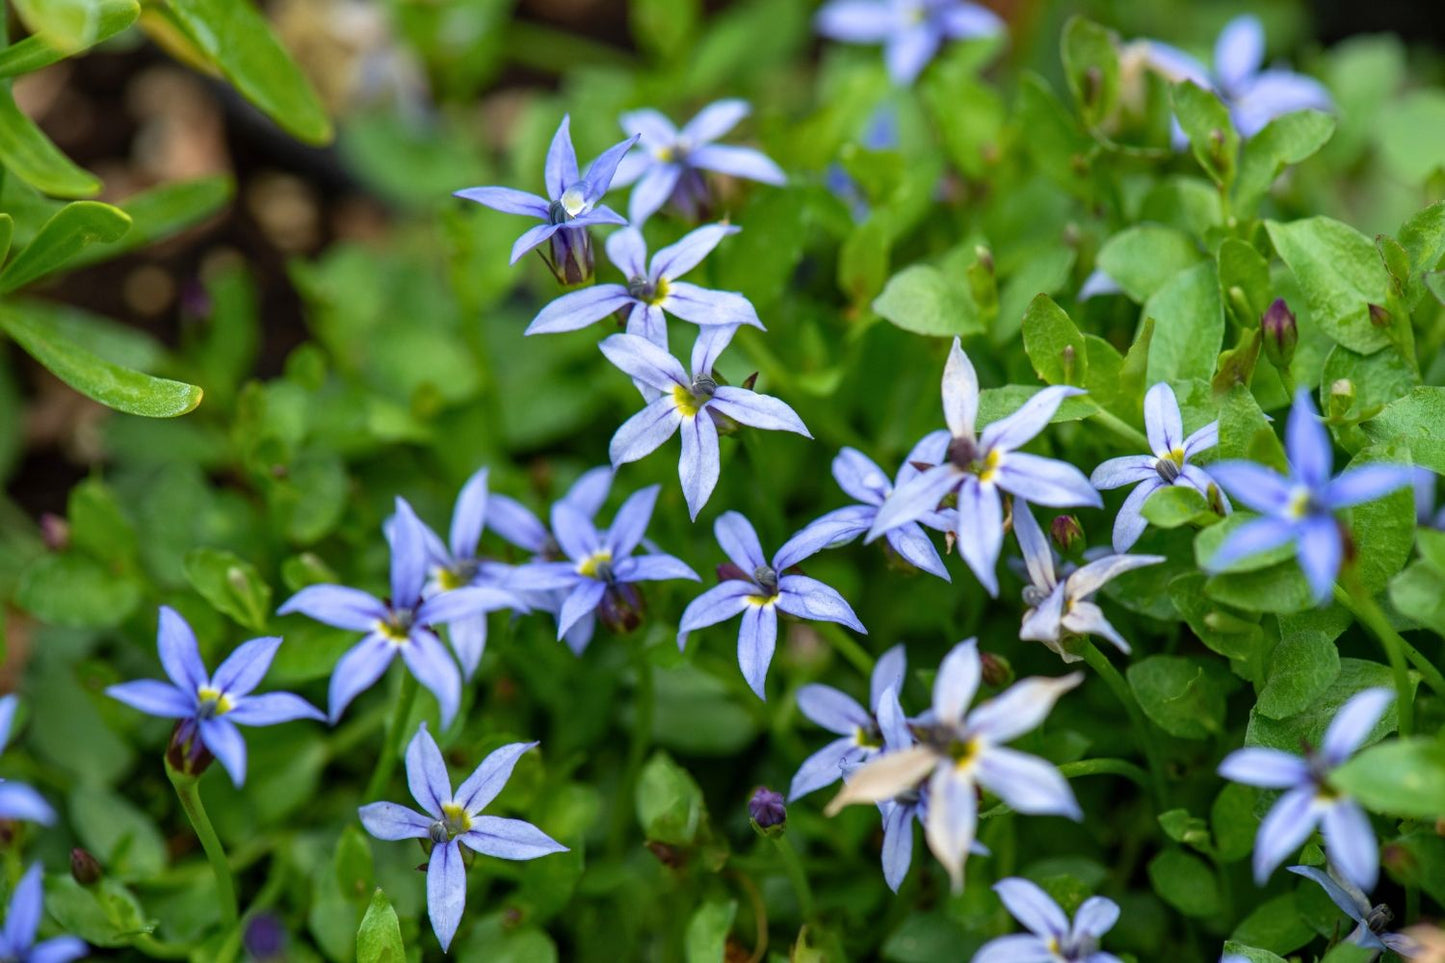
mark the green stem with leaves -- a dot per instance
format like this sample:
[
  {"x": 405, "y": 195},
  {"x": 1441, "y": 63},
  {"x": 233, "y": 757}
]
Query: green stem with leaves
[
  {"x": 188, "y": 791},
  {"x": 390, "y": 750},
  {"x": 1100, "y": 663}
]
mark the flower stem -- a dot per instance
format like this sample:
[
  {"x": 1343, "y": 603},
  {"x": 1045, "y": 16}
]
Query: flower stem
[
  {"x": 1120, "y": 427},
  {"x": 1363, "y": 607},
  {"x": 187, "y": 790},
  {"x": 381, "y": 775},
  {"x": 1100, "y": 663},
  {"x": 793, "y": 866},
  {"x": 1107, "y": 767},
  {"x": 847, "y": 646}
]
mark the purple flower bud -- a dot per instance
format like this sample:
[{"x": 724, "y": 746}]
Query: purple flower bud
[
  {"x": 186, "y": 752},
  {"x": 1280, "y": 333},
  {"x": 621, "y": 608},
  {"x": 570, "y": 256},
  {"x": 84, "y": 867},
  {"x": 767, "y": 810},
  {"x": 265, "y": 937},
  {"x": 1379, "y": 317},
  {"x": 996, "y": 670},
  {"x": 1067, "y": 533}
]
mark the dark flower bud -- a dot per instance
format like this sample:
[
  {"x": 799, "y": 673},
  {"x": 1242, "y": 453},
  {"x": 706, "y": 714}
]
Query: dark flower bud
[
  {"x": 569, "y": 255},
  {"x": 996, "y": 670},
  {"x": 1379, "y": 317},
  {"x": 621, "y": 608},
  {"x": 265, "y": 937},
  {"x": 984, "y": 257},
  {"x": 186, "y": 752},
  {"x": 1280, "y": 333},
  {"x": 84, "y": 867},
  {"x": 55, "y": 531},
  {"x": 767, "y": 811},
  {"x": 1093, "y": 82},
  {"x": 1067, "y": 533}
]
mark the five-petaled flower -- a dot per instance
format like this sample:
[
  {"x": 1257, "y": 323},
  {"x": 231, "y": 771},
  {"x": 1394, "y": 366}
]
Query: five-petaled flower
[
  {"x": 567, "y": 212},
  {"x": 651, "y": 290},
  {"x": 757, "y": 588},
  {"x": 1299, "y": 508},
  {"x": 958, "y": 751},
  {"x": 1051, "y": 938},
  {"x": 456, "y": 564},
  {"x": 600, "y": 569},
  {"x": 405, "y": 624},
  {"x": 210, "y": 706},
  {"x": 1169, "y": 465},
  {"x": 861, "y": 478},
  {"x": 911, "y": 31},
  {"x": 1254, "y": 96},
  {"x": 979, "y": 466},
  {"x": 22, "y": 920},
  {"x": 668, "y": 162},
  {"x": 1371, "y": 921},
  {"x": 1309, "y": 799},
  {"x": 450, "y": 820},
  {"x": 693, "y": 405},
  {"x": 17, "y": 800},
  {"x": 1059, "y": 606},
  {"x": 858, "y": 729}
]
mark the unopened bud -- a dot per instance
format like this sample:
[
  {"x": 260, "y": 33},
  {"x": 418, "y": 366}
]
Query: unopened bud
[
  {"x": 1093, "y": 81},
  {"x": 996, "y": 670},
  {"x": 186, "y": 752},
  {"x": 1379, "y": 317},
  {"x": 985, "y": 257},
  {"x": 1342, "y": 396},
  {"x": 1067, "y": 533},
  {"x": 1280, "y": 332},
  {"x": 569, "y": 255},
  {"x": 1068, "y": 356},
  {"x": 84, "y": 867},
  {"x": 265, "y": 937},
  {"x": 767, "y": 811},
  {"x": 55, "y": 531},
  {"x": 621, "y": 608}
]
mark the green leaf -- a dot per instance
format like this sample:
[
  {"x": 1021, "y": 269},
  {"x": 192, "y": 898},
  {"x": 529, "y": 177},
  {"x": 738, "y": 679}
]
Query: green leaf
[
  {"x": 236, "y": 36},
  {"x": 1143, "y": 258},
  {"x": 1185, "y": 882},
  {"x": 1276, "y": 925},
  {"x": 707, "y": 931},
  {"x": 106, "y": 914},
  {"x": 231, "y": 584},
  {"x": 921, "y": 300},
  {"x": 1242, "y": 267},
  {"x": 98, "y": 525},
  {"x": 1175, "y": 506},
  {"x": 378, "y": 939},
  {"x": 67, "y": 25},
  {"x": 1252, "y": 954},
  {"x": 27, "y": 153},
  {"x": 111, "y": 385},
  {"x": 1288, "y": 139},
  {"x": 1188, "y": 325},
  {"x": 1416, "y": 421},
  {"x": 669, "y": 802},
  {"x": 1418, "y": 593},
  {"x": 73, "y": 228},
  {"x": 1091, "y": 64},
  {"x": 1348, "y": 953},
  {"x": 1054, "y": 344},
  {"x": 1341, "y": 274},
  {"x": 1304, "y": 663},
  {"x": 1244, "y": 432},
  {"x": 121, "y": 836},
  {"x": 1184, "y": 697},
  {"x": 162, "y": 211},
  {"x": 1383, "y": 528},
  {"x": 353, "y": 864},
  {"x": 1212, "y": 136},
  {"x": 1233, "y": 821},
  {"x": 1378, "y": 379},
  {"x": 1402, "y": 777},
  {"x": 1411, "y": 132},
  {"x": 1309, "y": 726},
  {"x": 665, "y": 28},
  {"x": 36, "y": 51},
  {"x": 75, "y": 590}
]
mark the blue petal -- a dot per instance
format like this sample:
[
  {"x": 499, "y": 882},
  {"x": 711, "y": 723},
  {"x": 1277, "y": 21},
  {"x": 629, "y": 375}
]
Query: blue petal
[
  {"x": 224, "y": 741},
  {"x": 1351, "y": 844},
  {"x": 578, "y": 309},
  {"x": 1283, "y": 830},
  {"x": 244, "y": 669},
  {"x": 446, "y": 891},
  {"x": 700, "y": 464},
  {"x": 1018, "y": 948},
  {"x": 641, "y": 359},
  {"x": 627, "y": 250},
  {"x": 744, "y": 162},
  {"x": 23, "y": 917},
  {"x": 1239, "y": 52},
  {"x": 808, "y": 598},
  {"x": 408, "y": 557},
  {"x": 833, "y": 710},
  {"x": 960, "y": 392},
  {"x": 1353, "y": 724},
  {"x": 1354, "y": 486},
  {"x": 675, "y": 260},
  {"x": 645, "y": 432},
  {"x": 1254, "y": 485},
  {"x": 1127, "y": 470},
  {"x": 469, "y": 516},
  {"x": 702, "y": 306},
  {"x": 582, "y": 600},
  {"x": 908, "y": 51},
  {"x": 980, "y": 530},
  {"x": 897, "y": 843},
  {"x": 272, "y": 708},
  {"x": 957, "y": 682},
  {"x": 1027, "y": 783},
  {"x": 915, "y": 548},
  {"x": 426, "y": 772},
  {"x": 1162, "y": 421},
  {"x": 509, "y": 839},
  {"x": 855, "y": 21},
  {"x": 1045, "y": 481},
  {"x": 490, "y": 777},
  {"x": 757, "y": 638},
  {"x": 833, "y": 529},
  {"x": 952, "y": 820},
  {"x": 717, "y": 604},
  {"x": 1307, "y": 443},
  {"x": 757, "y": 411},
  {"x": 1032, "y": 907},
  {"x": 961, "y": 20},
  {"x": 468, "y": 638},
  {"x": 560, "y": 172},
  {"x": 1016, "y": 430},
  {"x": 506, "y": 200},
  {"x": 915, "y": 498},
  {"x": 654, "y": 187},
  {"x": 714, "y": 120},
  {"x": 345, "y": 608},
  {"x": 531, "y": 238},
  {"x": 711, "y": 341},
  {"x": 1320, "y": 552},
  {"x": 822, "y": 768},
  {"x": 1267, "y": 768},
  {"x": 1251, "y": 538},
  {"x": 739, "y": 541},
  {"x": 61, "y": 949},
  {"x": 1274, "y": 93},
  {"x": 180, "y": 656},
  {"x": 19, "y": 801},
  {"x": 574, "y": 532},
  {"x": 466, "y": 602},
  {"x": 8, "y": 705},
  {"x": 434, "y": 668},
  {"x": 599, "y": 173},
  {"x": 1353, "y": 908},
  {"x": 652, "y": 568},
  {"x": 388, "y": 821},
  {"x": 630, "y": 523},
  {"x": 358, "y": 671},
  {"x": 1095, "y": 917},
  {"x": 514, "y": 522},
  {"x": 887, "y": 674},
  {"x": 860, "y": 477},
  {"x": 155, "y": 698}
]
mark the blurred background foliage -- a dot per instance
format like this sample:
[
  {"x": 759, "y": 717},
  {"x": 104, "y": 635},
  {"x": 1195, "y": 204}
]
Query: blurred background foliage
[{"x": 357, "y": 334}]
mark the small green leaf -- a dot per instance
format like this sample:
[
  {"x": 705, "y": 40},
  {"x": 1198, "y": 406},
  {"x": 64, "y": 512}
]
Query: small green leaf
[
  {"x": 1184, "y": 697},
  {"x": 75, "y": 590},
  {"x": 1418, "y": 593},
  {"x": 1143, "y": 258},
  {"x": 28, "y": 154},
  {"x": 1309, "y": 726},
  {"x": 1175, "y": 506},
  {"x": 1252, "y": 954},
  {"x": 111, "y": 385},
  {"x": 707, "y": 932},
  {"x": 353, "y": 864},
  {"x": 1054, "y": 344},
  {"x": 1243, "y": 268},
  {"x": 665, "y": 28},
  {"x": 106, "y": 914},
  {"x": 161, "y": 212},
  {"x": 231, "y": 584},
  {"x": 1412, "y": 135},
  {"x": 1189, "y": 325},
  {"x": 920, "y": 299},
  {"x": 236, "y": 36},
  {"x": 1288, "y": 139},
  {"x": 1091, "y": 64},
  {"x": 1402, "y": 777},
  {"x": 669, "y": 802},
  {"x": 1304, "y": 663},
  {"x": 1185, "y": 882},
  {"x": 1212, "y": 136},
  {"x": 1341, "y": 274},
  {"x": 73, "y": 228},
  {"x": 378, "y": 939},
  {"x": 36, "y": 51},
  {"x": 1417, "y": 421}
]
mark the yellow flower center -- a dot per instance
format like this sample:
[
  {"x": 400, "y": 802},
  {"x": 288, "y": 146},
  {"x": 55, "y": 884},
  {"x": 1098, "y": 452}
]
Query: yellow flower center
[
  {"x": 989, "y": 468},
  {"x": 1299, "y": 503},
  {"x": 212, "y": 702},
  {"x": 964, "y": 754},
  {"x": 457, "y": 819},
  {"x": 595, "y": 565}
]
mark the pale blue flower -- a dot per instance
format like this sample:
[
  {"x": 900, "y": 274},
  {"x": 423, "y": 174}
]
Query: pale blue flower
[
  {"x": 1051, "y": 937},
  {"x": 858, "y": 728},
  {"x": 451, "y": 820},
  {"x": 405, "y": 624},
  {"x": 668, "y": 163},
  {"x": 758, "y": 588},
  {"x": 1309, "y": 800},
  {"x": 1058, "y": 603},
  {"x": 911, "y": 31},
  {"x": 861, "y": 478},
  {"x": 1299, "y": 508},
  {"x": 692, "y": 405},
  {"x": 22, "y": 920},
  {"x": 959, "y": 751},
  {"x": 211, "y": 706},
  {"x": 1372, "y": 922},
  {"x": 1168, "y": 465},
  {"x": 980, "y": 467},
  {"x": 600, "y": 569},
  {"x": 570, "y": 208},
  {"x": 651, "y": 290},
  {"x": 17, "y": 800}
]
